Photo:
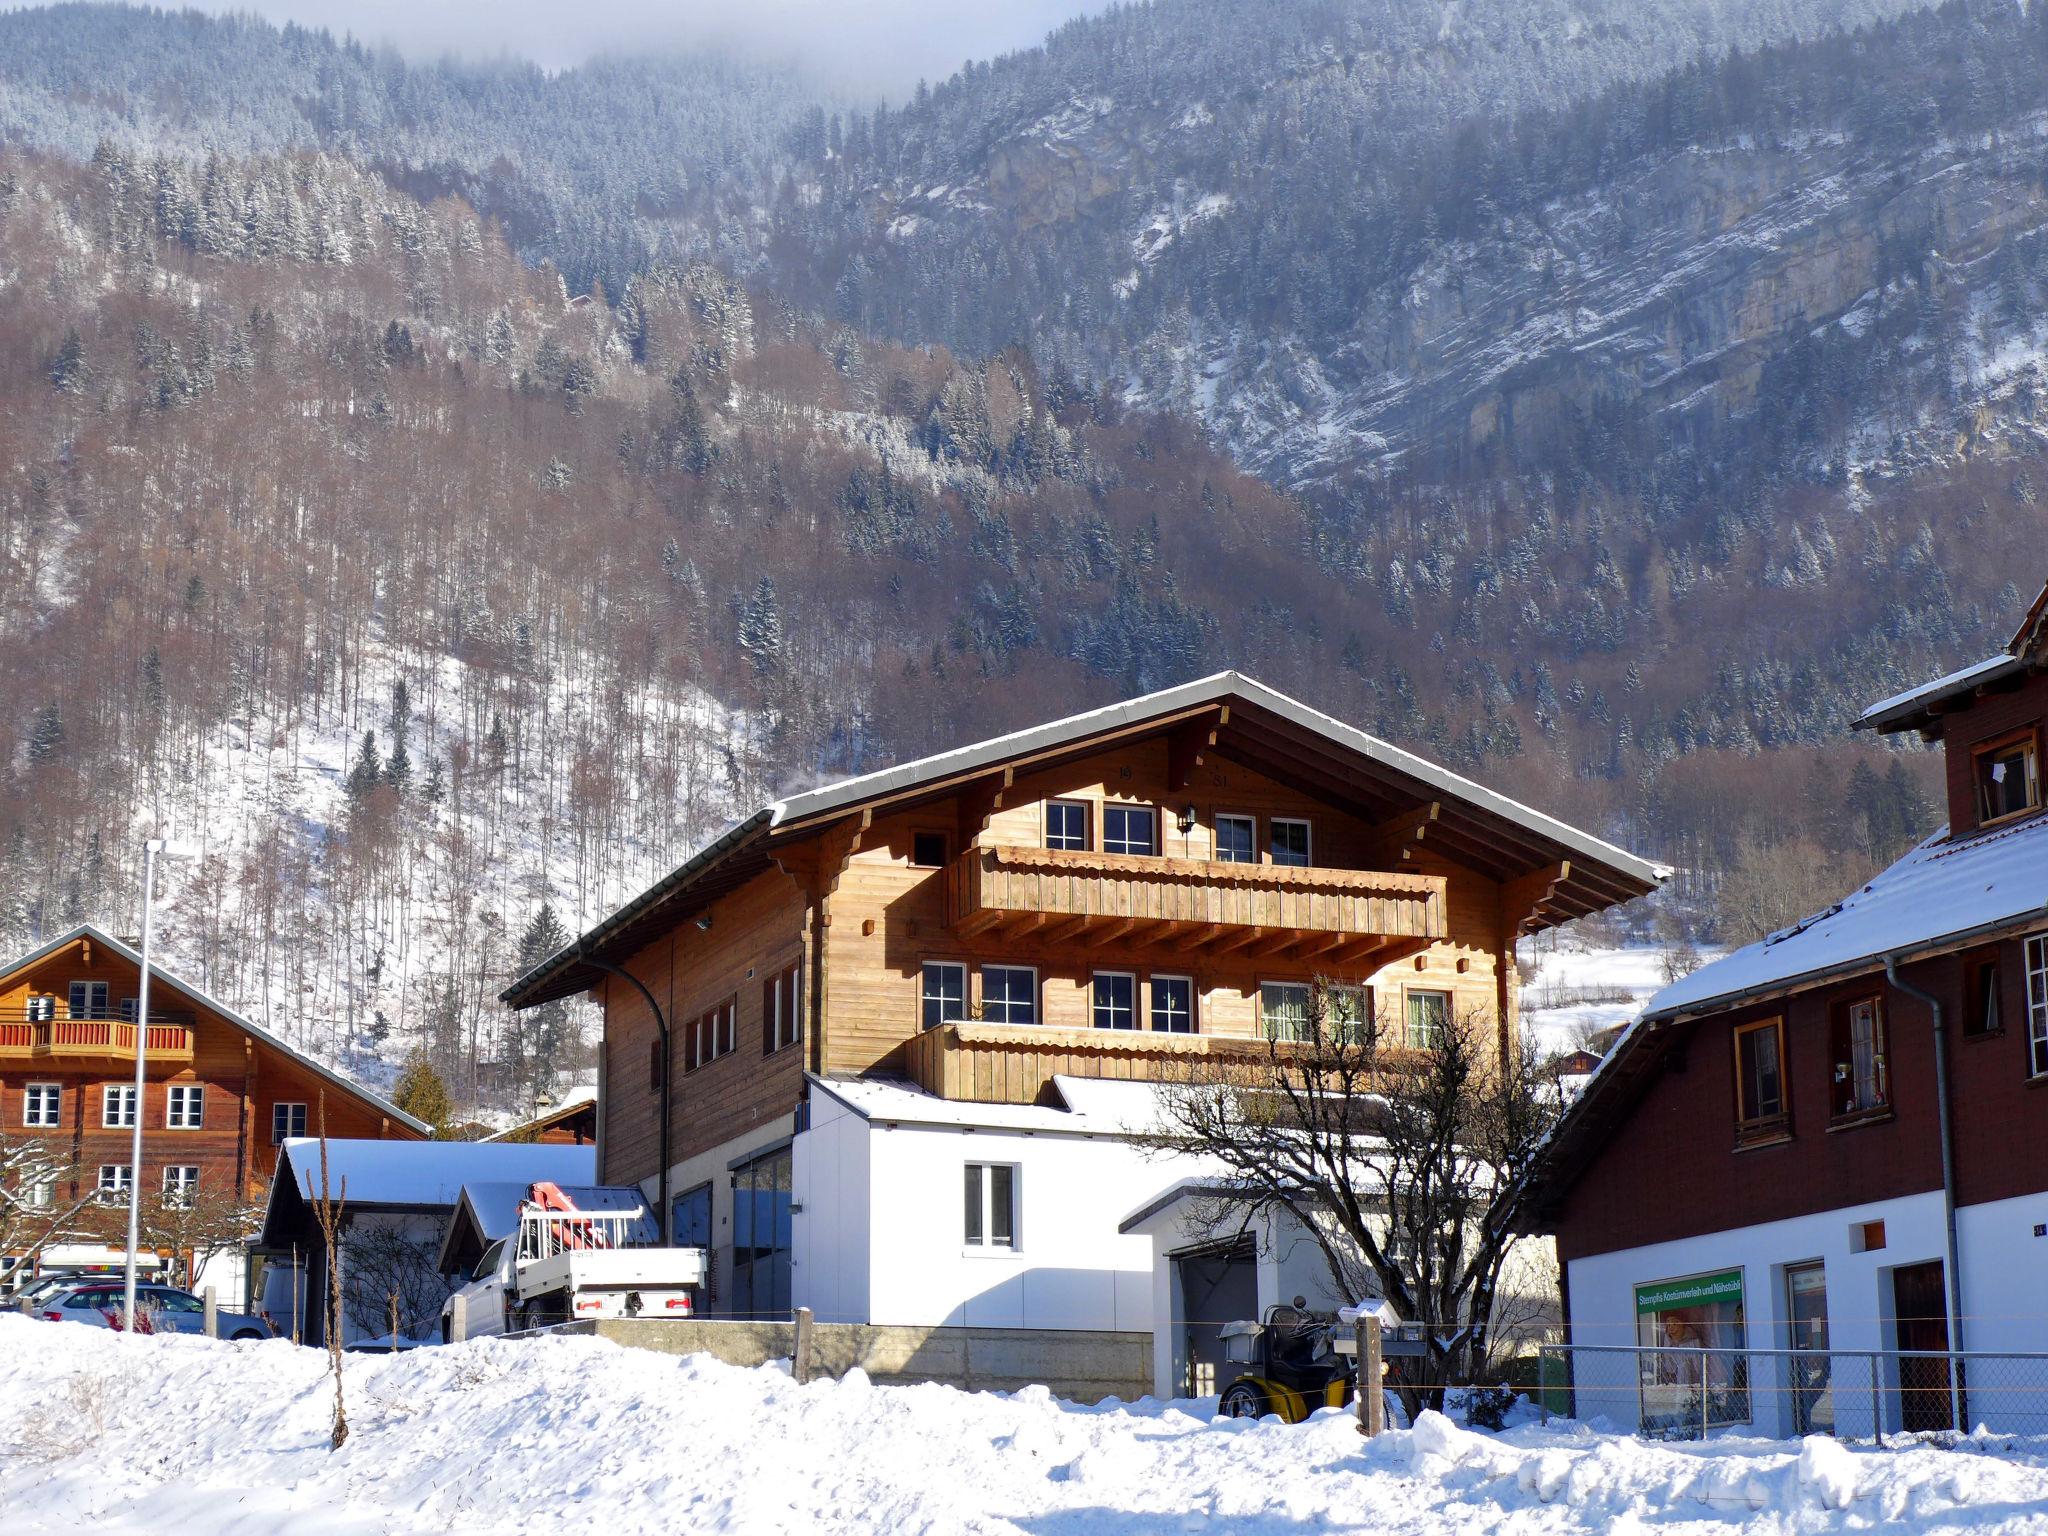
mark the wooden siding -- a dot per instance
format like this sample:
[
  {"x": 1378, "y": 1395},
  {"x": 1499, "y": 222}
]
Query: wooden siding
[
  {"x": 1988, "y": 719},
  {"x": 242, "y": 1078}
]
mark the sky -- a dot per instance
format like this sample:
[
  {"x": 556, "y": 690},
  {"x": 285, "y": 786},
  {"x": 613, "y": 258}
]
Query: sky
[{"x": 883, "y": 46}]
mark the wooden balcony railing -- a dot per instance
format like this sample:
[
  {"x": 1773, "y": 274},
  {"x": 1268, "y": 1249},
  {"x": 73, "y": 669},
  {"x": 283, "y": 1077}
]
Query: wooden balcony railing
[
  {"x": 56, "y": 1040},
  {"x": 1338, "y": 915},
  {"x": 1012, "y": 1064}
]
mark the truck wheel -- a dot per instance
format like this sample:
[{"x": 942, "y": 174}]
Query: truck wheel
[
  {"x": 537, "y": 1313},
  {"x": 1242, "y": 1400}
]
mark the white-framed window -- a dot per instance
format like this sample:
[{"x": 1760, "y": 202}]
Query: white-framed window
[
  {"x": 42, "y": 1007},
  {"x": 287, "y": 1120},
  {"x": 117, "y": 1106},
  {"x": 114, "y": 1184},
  {"x": 1347, "y": 1012},
  {"x": 1066, "y": 824},
  {"x": 1130, "y": 829},
  {"x": 88, "y": 1000},
  {"x": 2008, "y": 777},
  {"x": 944, "y": 999},
  {"x": 1283, "y": 1009},
  {"x": 715, "y": 1034},
  {"x": 39, "y": 1191},
  {"x": 1429, "y": 1017},
  {"x": 991, "y": 1205},
  {"x": 1237, "y": 840},
  {"x": 1009, "y": 994},
  {"x": 781, "y": 1011},
  {"x": 128, "y": 1009},
  {"x": 185, "y": 1107},
  {"x": 2037, "y": 1005},
  {"x": 1114, "y": 1000},
  {"x": 1290, "y": 841},
  {"x": 42, "y": 1106},
  {"x": 181, "y": 1183},
  {"x": 1173, "y": 1005}
]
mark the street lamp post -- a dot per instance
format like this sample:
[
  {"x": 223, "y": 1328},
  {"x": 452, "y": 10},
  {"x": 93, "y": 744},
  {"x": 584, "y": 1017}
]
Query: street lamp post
[{"x": 150, "y": 850}]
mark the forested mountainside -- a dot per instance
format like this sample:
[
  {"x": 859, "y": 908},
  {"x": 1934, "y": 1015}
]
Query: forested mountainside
[{"x": 1617, "y": 448}]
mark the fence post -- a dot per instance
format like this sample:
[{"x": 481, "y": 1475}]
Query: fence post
[
  {"x": 1703, "y": 1393},
  {"x": 212, "y": 1314},
  {"x": 800, "y": 1360},
  {"x": 1372, "y": 1399},
  {"x": 1876, "y": 1402}
]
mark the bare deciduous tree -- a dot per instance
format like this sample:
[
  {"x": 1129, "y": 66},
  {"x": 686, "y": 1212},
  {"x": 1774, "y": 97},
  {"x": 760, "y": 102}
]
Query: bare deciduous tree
[
  {"x": 327, "y": 1210},
  {"x": 391, "y": 1280},
  {"x": 1396, "y": 1159}
]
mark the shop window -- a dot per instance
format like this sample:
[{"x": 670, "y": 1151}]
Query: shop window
[
  {"x": 1692, "y": 1372},
  {"x": 1860, "y": 1084},
  {"x": 2008, "y": 778},
  {"x": 1760, "y": 1113}
]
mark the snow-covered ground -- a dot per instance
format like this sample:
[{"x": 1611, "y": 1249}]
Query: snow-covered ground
[
  {"x": 108, "y": 1434},
  {"x": 1571, "y": 989}
]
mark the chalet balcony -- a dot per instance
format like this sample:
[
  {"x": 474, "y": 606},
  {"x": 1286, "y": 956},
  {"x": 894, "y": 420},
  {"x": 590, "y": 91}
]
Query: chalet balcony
[
  {"x": 1335, "y": 916},
  {"x": 1012, "y": 1064},
  {"x": 58, "y": 1042}
]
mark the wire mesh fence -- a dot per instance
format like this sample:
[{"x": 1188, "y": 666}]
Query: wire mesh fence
[{"x": 1687, "y": 1393}]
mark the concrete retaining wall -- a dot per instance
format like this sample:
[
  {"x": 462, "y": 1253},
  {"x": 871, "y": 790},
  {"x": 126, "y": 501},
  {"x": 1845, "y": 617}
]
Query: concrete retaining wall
[{"x": 1083, "y": 1366}]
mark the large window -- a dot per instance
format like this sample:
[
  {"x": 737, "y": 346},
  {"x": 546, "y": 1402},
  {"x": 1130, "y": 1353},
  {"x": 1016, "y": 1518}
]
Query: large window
[
  {"x": 781, "y": 1016},
  {"x": 1237, "y": 840},
  {"x": 42, "y": 1106},
  {"x": 117, "y": 1106},
  {"x": 2037, "y": 1005},
  {"x": 1760, "y": 1081},
  {"x": 286, "y": 1122},
  {"x": 1115, "y": 1000},
  {"x": 1173, "y": 1005},
  {"x": 761, "y": 1237},
  {"x": 1066, "y": 824},
  {"x": 2008, "y": 776},
  {"x": 1290, "y": 842},
  {"x": 1130, "y": 829},
  {"x": 1860, "y": 1085},
  {"x": 991, "y": 1205},
  {"x": 1692, "y": 1369},
  {"x": 89, "y": 1000},
  {"x": 1429, "y": 1018},
  {"x": 1283, "y": 1010},
  {"x": 1009, "y": 994},
  {"x": 945, "y": 993},
  {"x": 185, "y": 1106}
]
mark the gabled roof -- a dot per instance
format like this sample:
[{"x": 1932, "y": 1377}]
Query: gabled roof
[
  {"x": 1255, "y": 726},
  {"x": 161, "y": 977},
  {"x": 491, "y": 1210},
  {"x": 408, "y": 1176},
  {"x": 1939, "y": 898},
  {"x": 1921, "y": 708},
  {"x": 580, "y": 1100}
]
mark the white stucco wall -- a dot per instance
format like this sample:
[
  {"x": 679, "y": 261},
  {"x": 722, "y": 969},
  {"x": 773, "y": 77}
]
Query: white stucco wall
[{"x": 831, "y": 1185}]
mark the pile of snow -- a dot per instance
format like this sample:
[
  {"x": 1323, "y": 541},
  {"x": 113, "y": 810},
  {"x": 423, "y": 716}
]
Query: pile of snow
[{"x": 170, "y": 1434}]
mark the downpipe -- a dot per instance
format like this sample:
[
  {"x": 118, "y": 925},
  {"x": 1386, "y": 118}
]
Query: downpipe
[
  {"x": 665, "y": 1217},
  {"x": 1953, "y": 1268}
]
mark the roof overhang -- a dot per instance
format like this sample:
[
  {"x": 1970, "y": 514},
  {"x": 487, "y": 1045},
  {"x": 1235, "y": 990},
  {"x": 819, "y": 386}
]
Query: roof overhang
[{"x": 1923, "y": 709}]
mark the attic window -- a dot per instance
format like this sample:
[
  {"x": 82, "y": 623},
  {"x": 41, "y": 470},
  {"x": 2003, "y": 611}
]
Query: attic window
[{"x": 2008, "y": 778}]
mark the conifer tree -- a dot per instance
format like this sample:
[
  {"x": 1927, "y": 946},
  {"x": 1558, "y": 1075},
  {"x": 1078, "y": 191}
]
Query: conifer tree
[{"x": 422, "y": 1093}]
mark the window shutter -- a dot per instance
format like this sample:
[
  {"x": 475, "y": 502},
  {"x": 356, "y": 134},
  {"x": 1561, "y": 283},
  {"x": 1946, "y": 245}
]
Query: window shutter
[{"x": 771, "y": 1004}]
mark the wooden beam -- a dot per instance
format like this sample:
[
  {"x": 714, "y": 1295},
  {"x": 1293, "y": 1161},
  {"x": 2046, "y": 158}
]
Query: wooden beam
[
  {"x": 1523, "y": 899},
  {"x": 1061, "y": 932},
  {"x": 981, "y": 922},
  {"x": 1111, "y": 932},
  {"x": 1190, "y": 744},
  {"x": 1398, "y": 837},
  {"x": 1238, "y": 940},
  {"x": 1199, "y": 937}
]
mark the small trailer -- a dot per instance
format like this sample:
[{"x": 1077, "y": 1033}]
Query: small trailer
[{"x": 563, "y": 1263}]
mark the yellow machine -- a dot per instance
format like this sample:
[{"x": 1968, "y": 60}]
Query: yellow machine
[{"x": 1291, "y": 1369}]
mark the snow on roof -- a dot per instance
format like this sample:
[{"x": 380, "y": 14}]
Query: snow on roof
[
  {"x": 430, "y": 1173},
  {"x": 494, "y": 1205},
  {"x": 1954, "y": 682},
  {"x": 1095, "y": 1107},
  {"x": 1939, "y": 892}
]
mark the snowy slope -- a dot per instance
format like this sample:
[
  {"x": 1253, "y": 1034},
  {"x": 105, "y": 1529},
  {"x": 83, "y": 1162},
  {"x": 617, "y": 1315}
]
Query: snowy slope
[{"x": 562, "y": 1435}]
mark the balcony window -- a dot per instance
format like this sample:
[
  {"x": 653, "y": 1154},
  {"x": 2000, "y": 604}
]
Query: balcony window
[
  {"x": 1009, "y": 994},
  {"x": 42, "y": 1106},
  {"x": 1173, "y": 1005},
  {"x": 1284, "y": 1010},
  {"x": 288, "y": 1121},
  {"x": 1237, "y": 840},
  {"x": 1066, "y": 825},
  {"x": 117, "y": 1106},
  {"x": 1115, "y": 1000},
  {"x": 2008, "y": 778},
  {"x": 1290, "y": 842},
  {"x": 1429, "y": 1018},
  {"x": 185, "y": 1108},
  {"x": 1760, "y": 1081},
  {"x": 945, "y": 993},
  {"x": 1130, "y": 829},
  {"x": 89, "y": 1000},
  {"x": 41, "y": 1008},
  {"x": 1860, "y": 1085}
]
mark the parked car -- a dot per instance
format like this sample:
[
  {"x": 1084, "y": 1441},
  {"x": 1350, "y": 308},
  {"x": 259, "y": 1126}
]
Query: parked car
[{"x": 167, "y": 1309}]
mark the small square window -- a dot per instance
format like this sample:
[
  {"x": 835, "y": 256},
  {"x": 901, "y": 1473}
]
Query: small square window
[
  {"x": 1429, "y": 1018},
  {"x": 2008, "y": 779},
  {"x": 944, "y": 999},
  {"x": 1290, "y": 842},
  {"x": 1115, "y": 1000},
  {"x": 1066, "y": 825},
  {"x": 117, "y": 1106},
  {"x": 1009, "y": 994},
  {"x": 1237, "y": 840},
  {"x": 928, "y": 850},
  {"x": 1173, "y": 1005},
  {"x": 42, "y": 1106},
  {"x": 42, "y": 1008},
  {"x": 1284, "y": 1010},
  {"x": 185, "y": 1107},
  {"x": 287, "y": 1121},
  {"x": 181, "y": 1183},
  {"x": 1130, "y": 829}
]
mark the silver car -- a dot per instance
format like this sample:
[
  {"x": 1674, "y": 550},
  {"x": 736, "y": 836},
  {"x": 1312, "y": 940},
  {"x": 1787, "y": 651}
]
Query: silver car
[{"x": 165, "y": 1310}]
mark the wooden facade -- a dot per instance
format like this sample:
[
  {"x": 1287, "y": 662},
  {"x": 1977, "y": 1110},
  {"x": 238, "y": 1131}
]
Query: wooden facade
[
  {"x": 1087, "y": 849},
  {"x": 213, "y": 1084}
]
